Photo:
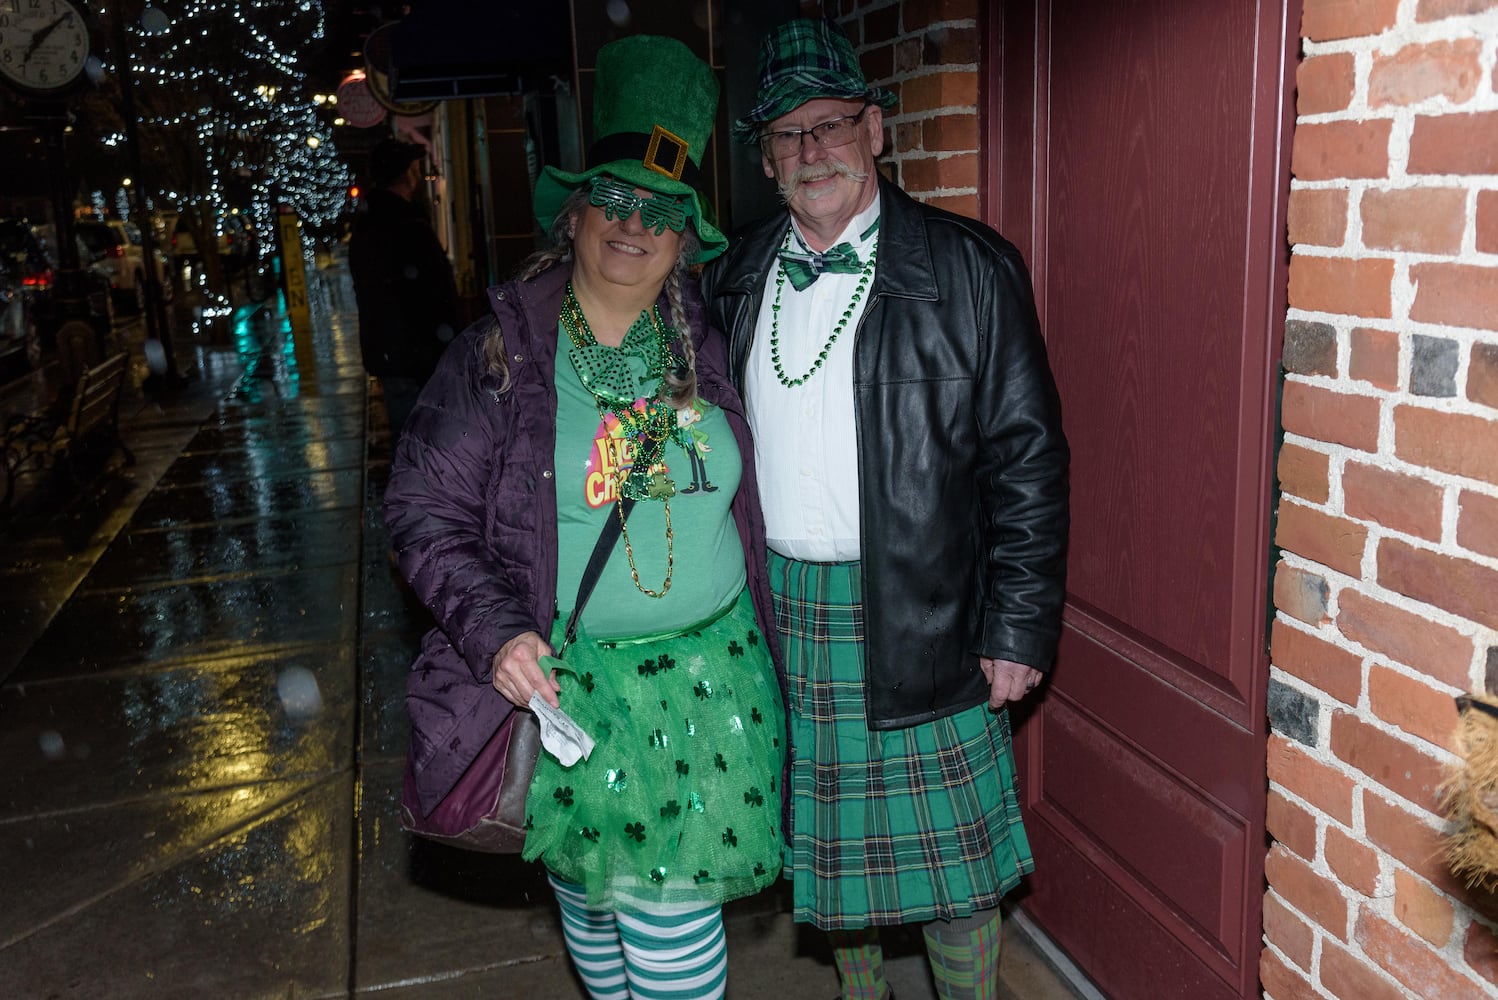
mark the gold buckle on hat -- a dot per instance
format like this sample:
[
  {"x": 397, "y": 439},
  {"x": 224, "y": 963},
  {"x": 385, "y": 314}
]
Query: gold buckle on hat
[{"x": 653, "y": 151}]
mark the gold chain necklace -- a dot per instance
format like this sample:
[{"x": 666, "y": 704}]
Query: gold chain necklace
[{"x": 611, "y": 444}]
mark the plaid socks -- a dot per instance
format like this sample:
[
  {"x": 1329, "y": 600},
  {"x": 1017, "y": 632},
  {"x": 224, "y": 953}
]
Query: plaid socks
[
  {"x": 964, "y": 956},
  {"x": 860, "y": 964}
]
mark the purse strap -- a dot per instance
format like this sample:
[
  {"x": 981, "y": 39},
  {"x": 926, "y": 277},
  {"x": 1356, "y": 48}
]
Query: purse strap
[{"x": 601, "y": 551}]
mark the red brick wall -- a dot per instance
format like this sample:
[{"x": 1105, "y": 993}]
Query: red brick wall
[
  {"x": 927, "y": 52},
  {"x": 1387, "y": 593}
]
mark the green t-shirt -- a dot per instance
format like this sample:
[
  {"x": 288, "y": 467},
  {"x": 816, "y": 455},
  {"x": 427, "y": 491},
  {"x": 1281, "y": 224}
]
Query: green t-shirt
[{"x": 707, "y": 556}]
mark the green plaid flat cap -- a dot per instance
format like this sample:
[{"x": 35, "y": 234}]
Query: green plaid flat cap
[{"x": 800, "y": 61}]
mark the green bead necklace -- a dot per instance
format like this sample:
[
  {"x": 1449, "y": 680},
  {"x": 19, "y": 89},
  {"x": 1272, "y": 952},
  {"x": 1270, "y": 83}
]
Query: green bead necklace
[
  {"x": 863, "y": 285},
  {"x": 627, "y": 381},
  {"x": 606, "y": 374}
]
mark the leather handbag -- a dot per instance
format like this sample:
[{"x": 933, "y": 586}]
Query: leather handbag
[{"x": 485, "y": 810}]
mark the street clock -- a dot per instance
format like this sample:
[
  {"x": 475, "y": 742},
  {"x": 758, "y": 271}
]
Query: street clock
[{"x": 43, "y": 45}]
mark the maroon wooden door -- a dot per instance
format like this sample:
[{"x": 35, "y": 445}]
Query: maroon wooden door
[{"x": 1136, "y": 153}]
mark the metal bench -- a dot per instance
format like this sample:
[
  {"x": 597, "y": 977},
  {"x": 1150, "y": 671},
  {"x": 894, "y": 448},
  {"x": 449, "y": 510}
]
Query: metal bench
[{"x": 39, "y": 442}]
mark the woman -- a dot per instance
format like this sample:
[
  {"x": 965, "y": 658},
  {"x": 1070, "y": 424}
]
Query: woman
[{"x": 597, "y": 382}]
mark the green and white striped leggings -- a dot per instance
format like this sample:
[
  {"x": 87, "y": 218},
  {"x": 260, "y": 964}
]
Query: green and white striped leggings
[{"x": 645, "y": 952}]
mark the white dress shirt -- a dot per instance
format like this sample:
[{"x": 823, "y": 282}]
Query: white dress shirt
[{"x": 805, "y": 438}]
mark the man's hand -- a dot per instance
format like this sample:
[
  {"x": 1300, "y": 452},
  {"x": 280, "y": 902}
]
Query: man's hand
[
  {"x": 517, "y": 671},
  {"x": 1007, "y": 681}
]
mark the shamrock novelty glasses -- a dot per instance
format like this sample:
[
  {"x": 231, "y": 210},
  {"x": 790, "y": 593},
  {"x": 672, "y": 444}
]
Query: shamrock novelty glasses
[{"x": 618, "y": 200}]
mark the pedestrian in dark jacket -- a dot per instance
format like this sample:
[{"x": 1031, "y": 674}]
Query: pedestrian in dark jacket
[
  {"x": 597, "y": 381},
  {"x": 403, "y": 280},
  {"x": 913, "y": 474}
]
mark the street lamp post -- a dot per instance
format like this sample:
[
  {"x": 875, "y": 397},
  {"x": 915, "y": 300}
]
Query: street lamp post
[
  {"x": 79, "y": 341},
  {"x": 157, "y": 327}
]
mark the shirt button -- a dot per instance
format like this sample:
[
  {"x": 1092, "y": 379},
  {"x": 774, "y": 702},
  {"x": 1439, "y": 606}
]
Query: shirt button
[
  {"x": 546, "y": 474},
  {"x": 519, "y": 358}
]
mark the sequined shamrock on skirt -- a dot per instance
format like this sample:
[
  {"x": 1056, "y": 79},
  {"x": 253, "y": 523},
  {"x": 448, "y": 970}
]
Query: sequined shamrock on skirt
[{"x": 681, "y": 797}]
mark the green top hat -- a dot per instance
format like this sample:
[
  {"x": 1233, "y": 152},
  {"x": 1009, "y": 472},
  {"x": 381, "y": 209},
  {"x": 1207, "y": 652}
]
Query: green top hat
[
  {"x": 653, "y": 108},
  {"x": 801, "y": 61}
]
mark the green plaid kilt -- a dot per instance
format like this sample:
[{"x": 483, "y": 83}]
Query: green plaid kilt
[{"x": 887, "y": 827}]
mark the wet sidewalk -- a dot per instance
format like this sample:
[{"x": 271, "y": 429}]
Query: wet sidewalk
[{"x": 202, "y": 726}]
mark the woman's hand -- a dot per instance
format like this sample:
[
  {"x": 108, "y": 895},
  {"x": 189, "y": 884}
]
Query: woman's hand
[{"x": 518, "y": 674}]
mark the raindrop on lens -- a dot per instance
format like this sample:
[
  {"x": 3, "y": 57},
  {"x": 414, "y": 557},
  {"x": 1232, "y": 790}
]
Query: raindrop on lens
[
  {"x": 52, "y": 744},
  {"x": 299, "y": 695},
  {"x": 155, "y": 356}
]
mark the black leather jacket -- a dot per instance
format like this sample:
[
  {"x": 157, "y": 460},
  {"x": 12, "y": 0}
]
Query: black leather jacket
[{"x": 962, "y": 459}]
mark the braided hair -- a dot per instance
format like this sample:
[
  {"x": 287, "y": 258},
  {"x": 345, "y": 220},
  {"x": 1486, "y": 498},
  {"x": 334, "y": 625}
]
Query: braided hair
[{"x": 679, "y": 387}]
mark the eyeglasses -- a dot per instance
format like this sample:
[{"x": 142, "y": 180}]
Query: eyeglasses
[
  {"x": 618, "y": 200},
  {"x": 828, "y": 135}
]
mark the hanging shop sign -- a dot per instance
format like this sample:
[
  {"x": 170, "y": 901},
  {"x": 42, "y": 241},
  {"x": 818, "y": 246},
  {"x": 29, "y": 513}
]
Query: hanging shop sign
[{"x": 356, "y": 102}]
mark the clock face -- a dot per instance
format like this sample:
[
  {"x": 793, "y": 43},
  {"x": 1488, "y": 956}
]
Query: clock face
[{"x": 43, "y": 44}]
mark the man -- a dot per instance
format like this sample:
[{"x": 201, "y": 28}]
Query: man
[
  {"x": 913, "y": 477},
  {"x": 403, "y": 280}
]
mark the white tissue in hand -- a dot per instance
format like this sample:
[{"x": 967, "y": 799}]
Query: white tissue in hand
[{"x": 562, "y": 738}]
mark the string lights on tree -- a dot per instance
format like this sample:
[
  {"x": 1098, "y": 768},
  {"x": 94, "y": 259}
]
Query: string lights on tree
[{"x": 225, "y": 114}]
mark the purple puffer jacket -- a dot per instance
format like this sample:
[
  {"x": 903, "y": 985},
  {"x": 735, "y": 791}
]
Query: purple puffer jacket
[{"x": 472, "y": 512}]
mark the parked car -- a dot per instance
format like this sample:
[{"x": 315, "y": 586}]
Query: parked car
[
  {"x": 30, "y": 310},
  {"x": 136, "y": 249},
  {"x": 237, "y": 243},
  {"x": 25, "y": 296},
  {"x": 117, "y": 249},
  {"x": 184, "y": 245}
]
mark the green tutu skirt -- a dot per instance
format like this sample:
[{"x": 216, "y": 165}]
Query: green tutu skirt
[{"x": 680, "y": 798}]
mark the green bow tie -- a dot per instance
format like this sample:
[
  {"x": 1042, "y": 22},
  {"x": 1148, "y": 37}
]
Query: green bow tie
[{"x": 804, "y": 268}]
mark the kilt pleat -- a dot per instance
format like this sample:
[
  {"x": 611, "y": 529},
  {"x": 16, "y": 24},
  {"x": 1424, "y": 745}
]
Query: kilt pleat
[{"x": 887, "y": 827}]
